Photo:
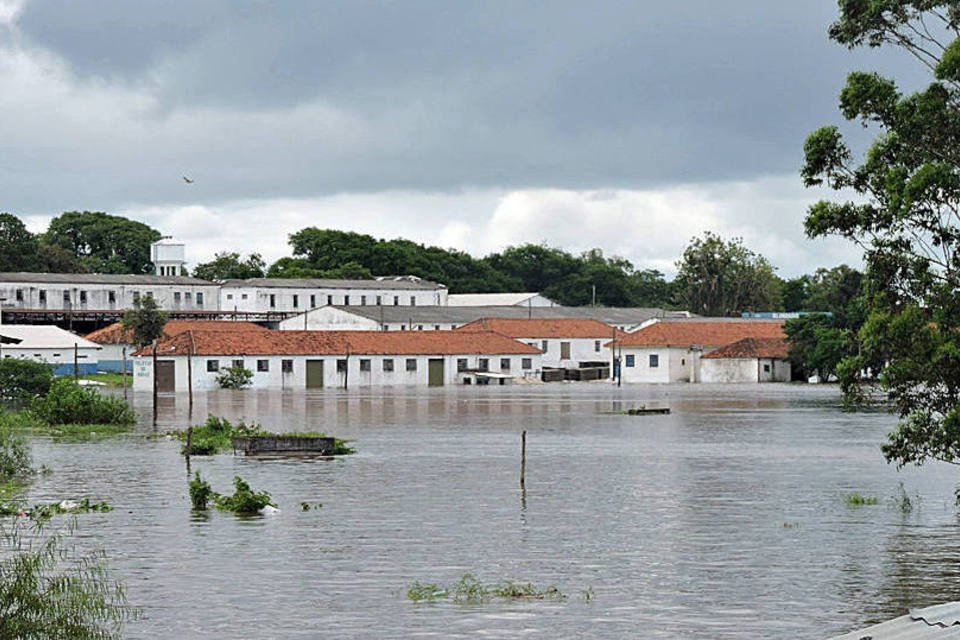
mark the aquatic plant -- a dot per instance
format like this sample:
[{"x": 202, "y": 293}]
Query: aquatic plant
[
  {"x": 588, "y": 594},
  {"x": 244, "y": 500},
  {"x": 902, "y": 501},
  {"x": 469, "y": 589},
  {"x": 69, "y": 403},
  {"x": 425, "y": 592},
  {"x": 200, "y": 492},
  {"x": 235, "y": 378},
  {"x": 43, "y": 512},
  {"x": 15, "y": 457},
  {"x": 860, "y": 500},
  {"x": 217, "y": 433}
]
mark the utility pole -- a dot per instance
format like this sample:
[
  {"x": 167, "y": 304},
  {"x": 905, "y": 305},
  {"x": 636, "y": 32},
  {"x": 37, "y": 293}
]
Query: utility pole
[
  {"x": 76, "y": 362},
  {"x": 155, "y": 386}
]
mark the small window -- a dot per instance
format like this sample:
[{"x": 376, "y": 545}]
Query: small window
[
  {"x": 187, "y": 297},
  {"x": 149, "y": 294},
  {"x": 564, "y": 350},
  {"x": 346, "y": 301},
  {"x": 436, "y": 327},
  {"x": 83, "y": 297},
  {"x": 363, "y": 300},
  {"x": 176, "y": 297},
  {"x": 66, "y": 297},
  {"x": 396, "y": 301},
  {"x": 526, "y": 363},
  {"x": 596, "y": 346},
  {"x": 330, "y": 300},
  {"x": 403, "y": 327},
  {"x": 238, "y": 364},
  {"x": 388, "y": 364},
  {"x": 543, "y": 346},
  {"x": 213, "y": 366},
  {"x": 461, "y": 364},
  {"x": 199, "y": 298},
  {"x": 379, "y": 300},
  {"x": 419, "y": 327},
  {"x": 365, "y": 364},
  {"x": 413, "y": 301},
  {"x": 273, "y": 301},
  {"x": 19, "y": 295},
  {"x": 243, "y": 296},
  {"x": 296, "y": 301},
  {"x": 342, "y": 365},
  {"x": 631, "y": 361},
  {"x": 112, "y": 297},
  {"x": 286, "y": 366},
  {"x": 766, "y": 368},
  {"x": 229, "y": 296},
  {"x": 654, "y": 360},
  {"x": 504, "y": 364},
  {"x": 43, "y": 296},
  {"x": 263, "y": 366},
  {"x": 313, "y": 300},
  {"x": 56, "y": 355},
  {"x": 411, "y": 364},
  {"x": 483, "y": 364}
]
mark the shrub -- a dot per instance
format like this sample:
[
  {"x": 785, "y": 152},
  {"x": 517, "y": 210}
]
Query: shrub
[
  {"x": 24, "y": 379},
  {"x": 244, "y": 500},
  {"x": 14, "y": 454},
  {"x": 69, "y": 403},
  {"x": 235, "y": 378},
  {"x": 200, "y": 492},
  {"x": 216, "y": 435}
]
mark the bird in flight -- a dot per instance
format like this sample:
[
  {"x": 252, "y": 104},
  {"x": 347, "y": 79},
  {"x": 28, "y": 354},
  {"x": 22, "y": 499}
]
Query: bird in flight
[{"x": 187, "y": 180}]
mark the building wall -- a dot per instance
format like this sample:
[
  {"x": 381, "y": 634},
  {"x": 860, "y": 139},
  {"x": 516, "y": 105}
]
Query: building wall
[
  {"x": 171, "y": 297},
  {"x": 285, "y": 299},
  {"x": 275, "y": 378},
  {"x": 60, "y": 359},
  {"x": 581, "y": 350},
  {"x": 111, "y": 358},
  {"x": 734, "y": 370},
  {"x": 674, "y": 364},
  {"x": 328, "y": 319}
]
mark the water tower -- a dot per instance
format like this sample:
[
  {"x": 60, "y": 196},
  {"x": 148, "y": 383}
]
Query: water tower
[{"x": 168, "y": 256}]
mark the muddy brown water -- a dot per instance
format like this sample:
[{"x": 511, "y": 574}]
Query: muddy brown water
[{"x": 725, "y": 519}]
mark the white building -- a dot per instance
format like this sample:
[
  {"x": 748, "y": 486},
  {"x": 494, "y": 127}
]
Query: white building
[
  {"x": 62, "y": 350},
  {"x": 499, "y": 300},
  {"x": 335, "y": 359},
  {"x": 565, "y": 342},
  {"x": 104, "y": 292},
  {"x": 265, "y": 295},
  {"x": 670, "y": 350},
  {"x": 168, "y": 257},
  {"x": 748, "y": 360}
]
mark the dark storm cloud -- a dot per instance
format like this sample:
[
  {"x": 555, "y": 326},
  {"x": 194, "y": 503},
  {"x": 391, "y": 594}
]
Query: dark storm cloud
[{"x": 264, "y": 99}]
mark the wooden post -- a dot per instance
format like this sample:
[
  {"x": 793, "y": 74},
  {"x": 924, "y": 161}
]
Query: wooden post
[
  {"x": 76, "y": 362},
  {"x": 123, "y": 372},
  {"x": 189, "y": 443},
  {"x": 523, "y": 460},
  {"x": 190, "y": 386},
  {"x": 155, "y": 387}
]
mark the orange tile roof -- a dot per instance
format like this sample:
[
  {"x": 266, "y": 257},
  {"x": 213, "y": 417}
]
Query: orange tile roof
[
  {"x": 543, "y": 327},
  {"x": 703, "y": 332},
  {"x": 776, "y": 348},
  {"x": 227, "y": 343},
  {"x": 116, "y": 334}
]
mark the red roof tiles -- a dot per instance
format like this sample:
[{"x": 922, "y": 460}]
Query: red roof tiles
[
  {"x": 542, "y": 327},
  {"x": 703, "y": 332},
  {"x": 776, "y": 348},
  {"x": 224, "y": 343},
  {"x": 116, "y": 334}
]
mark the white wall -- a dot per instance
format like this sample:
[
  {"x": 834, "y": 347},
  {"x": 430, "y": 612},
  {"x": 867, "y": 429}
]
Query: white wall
[
  {"x": 581, "y": 350},
  {"x": 675, "y": 364},
  {"x": 329, "y": 319},
  {"x": 276, "y": 379},
  {"x": 286, "y": 299},
  {"x": 97, "y": 296},
  {"x": 733, "y": 370}
]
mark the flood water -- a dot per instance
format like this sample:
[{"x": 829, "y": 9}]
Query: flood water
[{"x": 725, "y": 519}]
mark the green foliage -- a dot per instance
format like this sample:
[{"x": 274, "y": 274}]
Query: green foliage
[
  {"x": 859, "y": 500},
  {"x": 216, "y": 436},
  {"x": 42, "y": 512},
  {"x": 24, "y": 379},
  {"x": 904, "y": 194},
  {"x": 103, "y": 243},
  {"x": 235, "y": 378},
  {"x": 18, "y": 247},
  {"x": 14, "y": 453},
  {"x": 48, "y": 590},
  {"x": 425, "y": 592},
  {"x": 200, "y": 492},
  {"x": 717, "y": 277},
  {"x": 244, "y": 500},
  {"x": 146, "y": 320},
  {"x": 817, "y": 345},
  {"x": 469, "y": 589},
  {"x": 228, "y": 266},
  {"x": 68, "y": 403}
]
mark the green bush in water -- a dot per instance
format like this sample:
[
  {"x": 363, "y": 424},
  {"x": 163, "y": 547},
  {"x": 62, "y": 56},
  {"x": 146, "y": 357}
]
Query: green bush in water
[
  {"x": 14, "y": 453},
  {"x": 24, "y": 379},
  {"x": 216, "y": 435},
  {"x": 244, "y": 500},
  {"x": 69, "y": 403},
  {"x": 200, "y": 492},
  {"x": 235, "y": 378}
]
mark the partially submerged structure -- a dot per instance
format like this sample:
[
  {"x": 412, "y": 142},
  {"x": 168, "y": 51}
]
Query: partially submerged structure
[
  {"x": 939, "y": 622},
  {"x": 748, "y": 360},
  {"x": 65, "y": 352},
  {"x": 336, "y": 359}
]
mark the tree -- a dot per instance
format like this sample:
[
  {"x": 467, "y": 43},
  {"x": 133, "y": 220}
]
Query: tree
[
  {"x": 717, "y": 277},
  {"x": 905, "y": 216},
  {"x": 817, "y": 344},
  {"x": 651, "y": 289},
  {"x": 104, "y": 243},
  {"x": 146, "y": 320},
  {"x": 24, "y": 379},
  {"x": 18, "y": 247},
  {"x": 228, "y": 266}
]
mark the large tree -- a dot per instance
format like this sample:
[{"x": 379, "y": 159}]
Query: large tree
[
  {"x": 904, "y": 211},
  {"x": 104, "y": 243},
  {"x": 717, "y": 277},
  {"x": 228, "y": 266},
  {"x": 18, "y": 247}
]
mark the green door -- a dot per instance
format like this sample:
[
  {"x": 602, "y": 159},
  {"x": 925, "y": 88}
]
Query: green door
[
  {"x": 435, "y": 372},
  {"x": 314, "y": 374}
]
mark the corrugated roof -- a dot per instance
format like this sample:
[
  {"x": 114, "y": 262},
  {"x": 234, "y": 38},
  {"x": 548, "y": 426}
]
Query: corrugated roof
[
  {"x": 940, "y": 622},
  {"x": 542, "y": 328},
  {"x": 44, "y": 336},
  {"x": 116, "y": 334},
  {"x": 228, "y": 343},
  {"x": 99, "y": 278},
  {"x": 401, "y": 283},
  {"x": 776, "y": 348},
  {"x": 704, "y": 332}
]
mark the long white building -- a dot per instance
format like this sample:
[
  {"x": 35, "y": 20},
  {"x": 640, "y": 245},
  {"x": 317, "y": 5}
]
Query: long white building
[
  {"x": 565, "y": 342},
  {"x": 62, "y": 350}
]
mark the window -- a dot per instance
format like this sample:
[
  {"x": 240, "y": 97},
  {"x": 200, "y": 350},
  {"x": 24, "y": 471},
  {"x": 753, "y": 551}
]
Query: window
[
  {"x": 238, "y": 364},
  {"x": 43, "y": 296},
  {"x": 403, "y": 327},
  {"x": 379, "y": 300},
  {"x": 564, "y": 350},
  {"x": 365, "y": 364},
  {"x": 766, "y": 368},
  {"x": 330, "y": 300},
  {"x": 461, "y": 364},
  {"x": 66, "y": 297},
  {"x": 526, "y": 363},
  {"x": 213, "y": 366},
  {"x": 654, "y": 360},
  {"x": 286, "y": 366},
  {"x": 313, "y": 301},
  {"x": 631, "y": 361},
  {"x": 543, "y": 346},
  {"x": 436, "y": 327},
  {"x": 342, "y": 365},
  {"x": 273, "y": 301},
  {"x": 187, "y": 297},
  {"x": 296, "y": 301},
  {"x": 483, "y": 364},
  {"x": 413, "y": 301},
  {"x": 363, "y": 300},
  {"x": 263, "y": 366},
  {"x": 199, "y": 298},
  {"x": 683, "y": 361},
  {"x": 83, "y": 297},
  {"x": 19, "y": 295},
  {"x": 346, "y": 301},
  {"x": 229, "y": 296},
  {"x": 112, "y": 297},
  {"x": 396, "y": 301},
  {"x": 504, "y": 364},
  {"x": 388, "y": 364},
  {"x": 149, "y": 294},
  {"x": 411, "y": 364},
  {"x": 176, "y": 297},
  {"x": 596, "y": 346},
  {"x": 419, "y": 327},
  {"x": 243, "y": 296}
]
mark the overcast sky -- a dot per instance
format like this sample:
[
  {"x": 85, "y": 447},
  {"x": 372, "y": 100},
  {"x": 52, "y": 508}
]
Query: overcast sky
[{"x": 629, "y": 126}]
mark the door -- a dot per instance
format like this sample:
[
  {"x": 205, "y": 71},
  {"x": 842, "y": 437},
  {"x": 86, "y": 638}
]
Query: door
[
  {"x": 166, "y": 376},
  {"x": 435, "y": 372},
  {"x": 314, "y": 374},
  {"x": 564, "y": 350}
]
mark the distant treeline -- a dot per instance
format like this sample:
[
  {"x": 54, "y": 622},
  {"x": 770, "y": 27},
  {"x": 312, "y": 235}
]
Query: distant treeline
[{"x": 715, "y": 276}]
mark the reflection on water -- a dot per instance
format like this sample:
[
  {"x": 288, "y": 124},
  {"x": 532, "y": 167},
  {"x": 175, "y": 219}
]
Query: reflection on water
[{"x": 724, "y": 519}]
